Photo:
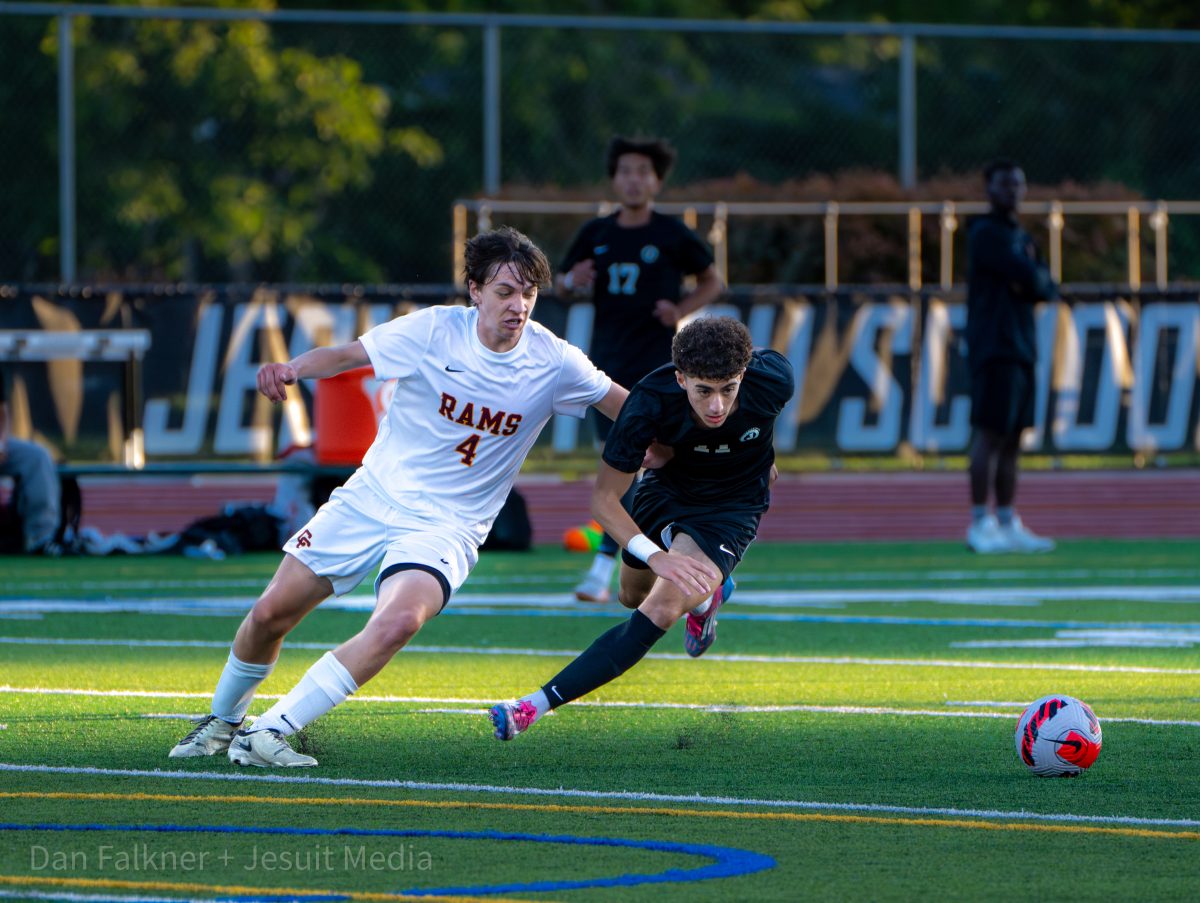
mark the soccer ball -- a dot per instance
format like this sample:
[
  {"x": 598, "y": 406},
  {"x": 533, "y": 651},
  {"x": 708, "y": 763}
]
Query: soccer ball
[{"x": 1058, "y": 736}]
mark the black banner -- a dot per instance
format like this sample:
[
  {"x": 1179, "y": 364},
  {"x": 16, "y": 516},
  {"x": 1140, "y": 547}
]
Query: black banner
[{"x": 877, "y": 373}]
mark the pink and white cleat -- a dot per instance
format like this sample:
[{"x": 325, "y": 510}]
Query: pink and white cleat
[
  {"x": 512, "y": 718},
  {"x": 701, "y": 630}
]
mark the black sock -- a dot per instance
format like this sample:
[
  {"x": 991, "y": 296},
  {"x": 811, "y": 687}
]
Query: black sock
[{"x": 610, "y": 656}]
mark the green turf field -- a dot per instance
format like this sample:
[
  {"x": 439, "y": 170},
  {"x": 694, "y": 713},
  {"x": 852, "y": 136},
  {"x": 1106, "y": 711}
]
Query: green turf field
[{"x": 849, "y": 737}]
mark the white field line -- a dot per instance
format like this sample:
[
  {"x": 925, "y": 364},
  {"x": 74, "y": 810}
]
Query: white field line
[
  {"x": 783, "y": 599},
  {"x": 989, "y": 703},
  {"x": 603, "y": 795},
  {"x": 95, "y": 898},
  {"x": 799, "y": 578},
  {"x": 706, "y": 708},
  {"x": 1078, "y": 643},
  {"x": 1182, "y": 636},
  {"x": 662, "y": 656}
]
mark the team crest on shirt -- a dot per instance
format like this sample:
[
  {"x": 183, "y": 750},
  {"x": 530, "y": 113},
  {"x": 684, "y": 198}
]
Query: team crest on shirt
[
  {"x": 649, "y": 254},
  {"x": 752, "y": 433}
]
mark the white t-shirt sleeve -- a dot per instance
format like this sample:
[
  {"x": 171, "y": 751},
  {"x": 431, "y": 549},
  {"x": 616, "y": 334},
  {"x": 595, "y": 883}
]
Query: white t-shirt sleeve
[
  {"x": 580, "y": 384},
  {"x": 395, "y": 347}
]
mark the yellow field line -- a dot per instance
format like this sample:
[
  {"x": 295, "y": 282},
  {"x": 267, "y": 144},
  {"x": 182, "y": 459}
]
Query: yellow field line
[
  {"x": 616, "y": 810},
  {"x": 183, "y": 886}
]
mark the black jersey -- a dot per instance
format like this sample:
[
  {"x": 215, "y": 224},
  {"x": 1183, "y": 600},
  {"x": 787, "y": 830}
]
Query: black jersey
[
  {"x": 728, "y": 466},
  {"x": 1003, "y": 283},
  {"x": 635, "y": 268}
]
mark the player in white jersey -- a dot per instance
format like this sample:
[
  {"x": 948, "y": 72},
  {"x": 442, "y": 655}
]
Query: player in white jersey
[{"x": 474, "y": 387}]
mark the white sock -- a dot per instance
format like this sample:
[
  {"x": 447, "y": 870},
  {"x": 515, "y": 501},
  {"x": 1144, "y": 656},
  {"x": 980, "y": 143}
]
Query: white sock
[
  {"x": 602, "y": 567},
  {"x": 325, "y": 685},
  {"x": 704, "y": 606},
  {"x": 236, "y": 688},
  {"x": 540, "y": 702}
]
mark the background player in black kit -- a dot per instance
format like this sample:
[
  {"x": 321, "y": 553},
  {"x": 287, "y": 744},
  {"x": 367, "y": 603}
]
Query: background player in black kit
[
  {"x": 633, "y": 263},
  {"x": 715, "y": 408},
  {"x": 1006, "y": 277}
]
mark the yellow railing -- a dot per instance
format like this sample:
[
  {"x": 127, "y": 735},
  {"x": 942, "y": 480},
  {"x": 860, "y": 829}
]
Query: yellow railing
[{"x": 1156, "y": 213}]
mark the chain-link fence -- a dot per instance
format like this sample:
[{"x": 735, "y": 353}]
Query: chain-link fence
[{"x": 234, "y": 145}]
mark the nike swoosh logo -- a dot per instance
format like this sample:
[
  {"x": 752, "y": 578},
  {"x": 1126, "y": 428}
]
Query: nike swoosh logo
[
  {"x": 599, "y": 249},
  {"x": 443, "y": 561},
  {"x": 726, "y": 551},
  {"x": 554, "y": 690},
  {"x": 450, "y": 369}
]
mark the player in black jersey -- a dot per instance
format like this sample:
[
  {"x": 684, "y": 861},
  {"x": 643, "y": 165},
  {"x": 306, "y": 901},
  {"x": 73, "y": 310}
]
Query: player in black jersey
[
  {"x": 1006, "y": 277},
  {"x": 633, "y": 263},
  {"x": 715, "y": 409}
]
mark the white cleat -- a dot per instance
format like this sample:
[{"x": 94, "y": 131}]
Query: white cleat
[
  {"x": 592, "y": 588},
  {"x": 266, "y": 748},
  {"x": 210, "y": 736},
  {"x": 1021, "y": 539},
  {"x": 986, "y": 537}
]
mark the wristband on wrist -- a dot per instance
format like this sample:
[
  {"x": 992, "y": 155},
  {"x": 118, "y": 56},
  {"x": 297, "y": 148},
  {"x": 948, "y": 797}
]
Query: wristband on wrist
[{"x": 642, "y": 547}]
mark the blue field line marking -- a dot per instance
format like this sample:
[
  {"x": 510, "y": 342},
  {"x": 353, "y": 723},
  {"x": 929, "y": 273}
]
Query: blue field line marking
[
  {"x": 468, "y": 610},
  {"x": 521, "y": 602},
  {"x": 887, "y": 620},
  {"x": 730, "y": 862}
]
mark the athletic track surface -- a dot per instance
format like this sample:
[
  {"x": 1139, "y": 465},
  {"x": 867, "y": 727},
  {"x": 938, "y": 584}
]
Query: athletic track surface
[{"x": 808, "y": 507}]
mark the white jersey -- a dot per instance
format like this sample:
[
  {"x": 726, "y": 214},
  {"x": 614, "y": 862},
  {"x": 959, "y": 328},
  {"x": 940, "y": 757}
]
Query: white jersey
[{"x": 463, "y": 417}]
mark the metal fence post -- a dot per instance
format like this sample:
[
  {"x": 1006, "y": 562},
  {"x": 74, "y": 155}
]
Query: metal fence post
[
  {"x": 1133, "y": 242},
  {"x": 459, "y": 254},
  {"x": 66, "y": 149},
  {"x": 948, "y": 225},
  {"x": 1055, "y": 223},
  {"x": 1158, "y": 222},
  {"x": 831, "y": 245},
  {"x": 915, "y": 275},
  {"x": 491, "y": 109},
  {"x": 908, "y": 111}
]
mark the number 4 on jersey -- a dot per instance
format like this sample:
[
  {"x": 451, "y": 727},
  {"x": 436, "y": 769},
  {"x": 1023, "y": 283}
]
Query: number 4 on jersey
[{"x": 468, "y": 448}]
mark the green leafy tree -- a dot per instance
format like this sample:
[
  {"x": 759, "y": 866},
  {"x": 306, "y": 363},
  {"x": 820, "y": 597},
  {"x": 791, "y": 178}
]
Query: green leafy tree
[
  {"x": 215, "y": 151},
  {"x": 322, "y": 152}
]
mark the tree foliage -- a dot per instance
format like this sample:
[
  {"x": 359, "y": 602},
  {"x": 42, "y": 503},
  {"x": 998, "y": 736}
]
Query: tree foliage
[{"x": 246, "y": 150}]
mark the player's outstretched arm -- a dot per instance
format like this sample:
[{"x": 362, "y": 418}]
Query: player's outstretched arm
[
  {"x": 610, "y": 404},
  {"x": 316, "y": 363},
  {"x": 578, "y": 280},
  {"x": 689, "y": 575}
]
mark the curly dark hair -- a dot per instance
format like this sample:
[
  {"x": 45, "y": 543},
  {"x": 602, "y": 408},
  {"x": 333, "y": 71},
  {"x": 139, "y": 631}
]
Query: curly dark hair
[
  {"x": 659, "y": 150},
  {"x": 488, "y": 251},
  {"x": 712, "y": 348}
]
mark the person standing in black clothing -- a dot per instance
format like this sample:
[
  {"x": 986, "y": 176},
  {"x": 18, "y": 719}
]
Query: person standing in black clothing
[
  {"x": 693, "y": 518},
  {"x": 36, "y": 494},
  {"x": 633, "y": 263},
  {"x": 1006, "y": 277}
]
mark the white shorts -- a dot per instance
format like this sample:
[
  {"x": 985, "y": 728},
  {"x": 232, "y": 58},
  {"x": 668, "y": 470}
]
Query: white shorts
[{"x": 358, "y": 529}]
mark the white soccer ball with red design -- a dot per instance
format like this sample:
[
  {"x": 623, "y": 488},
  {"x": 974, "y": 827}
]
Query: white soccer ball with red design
[{"x": 1058, "y": 736}]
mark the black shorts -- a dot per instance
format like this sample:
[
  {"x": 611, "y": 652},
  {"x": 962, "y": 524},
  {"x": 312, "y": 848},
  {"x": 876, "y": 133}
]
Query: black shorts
[
  {"x": 723, "y": 534},
  {"x": 1002, "y": 397}
]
